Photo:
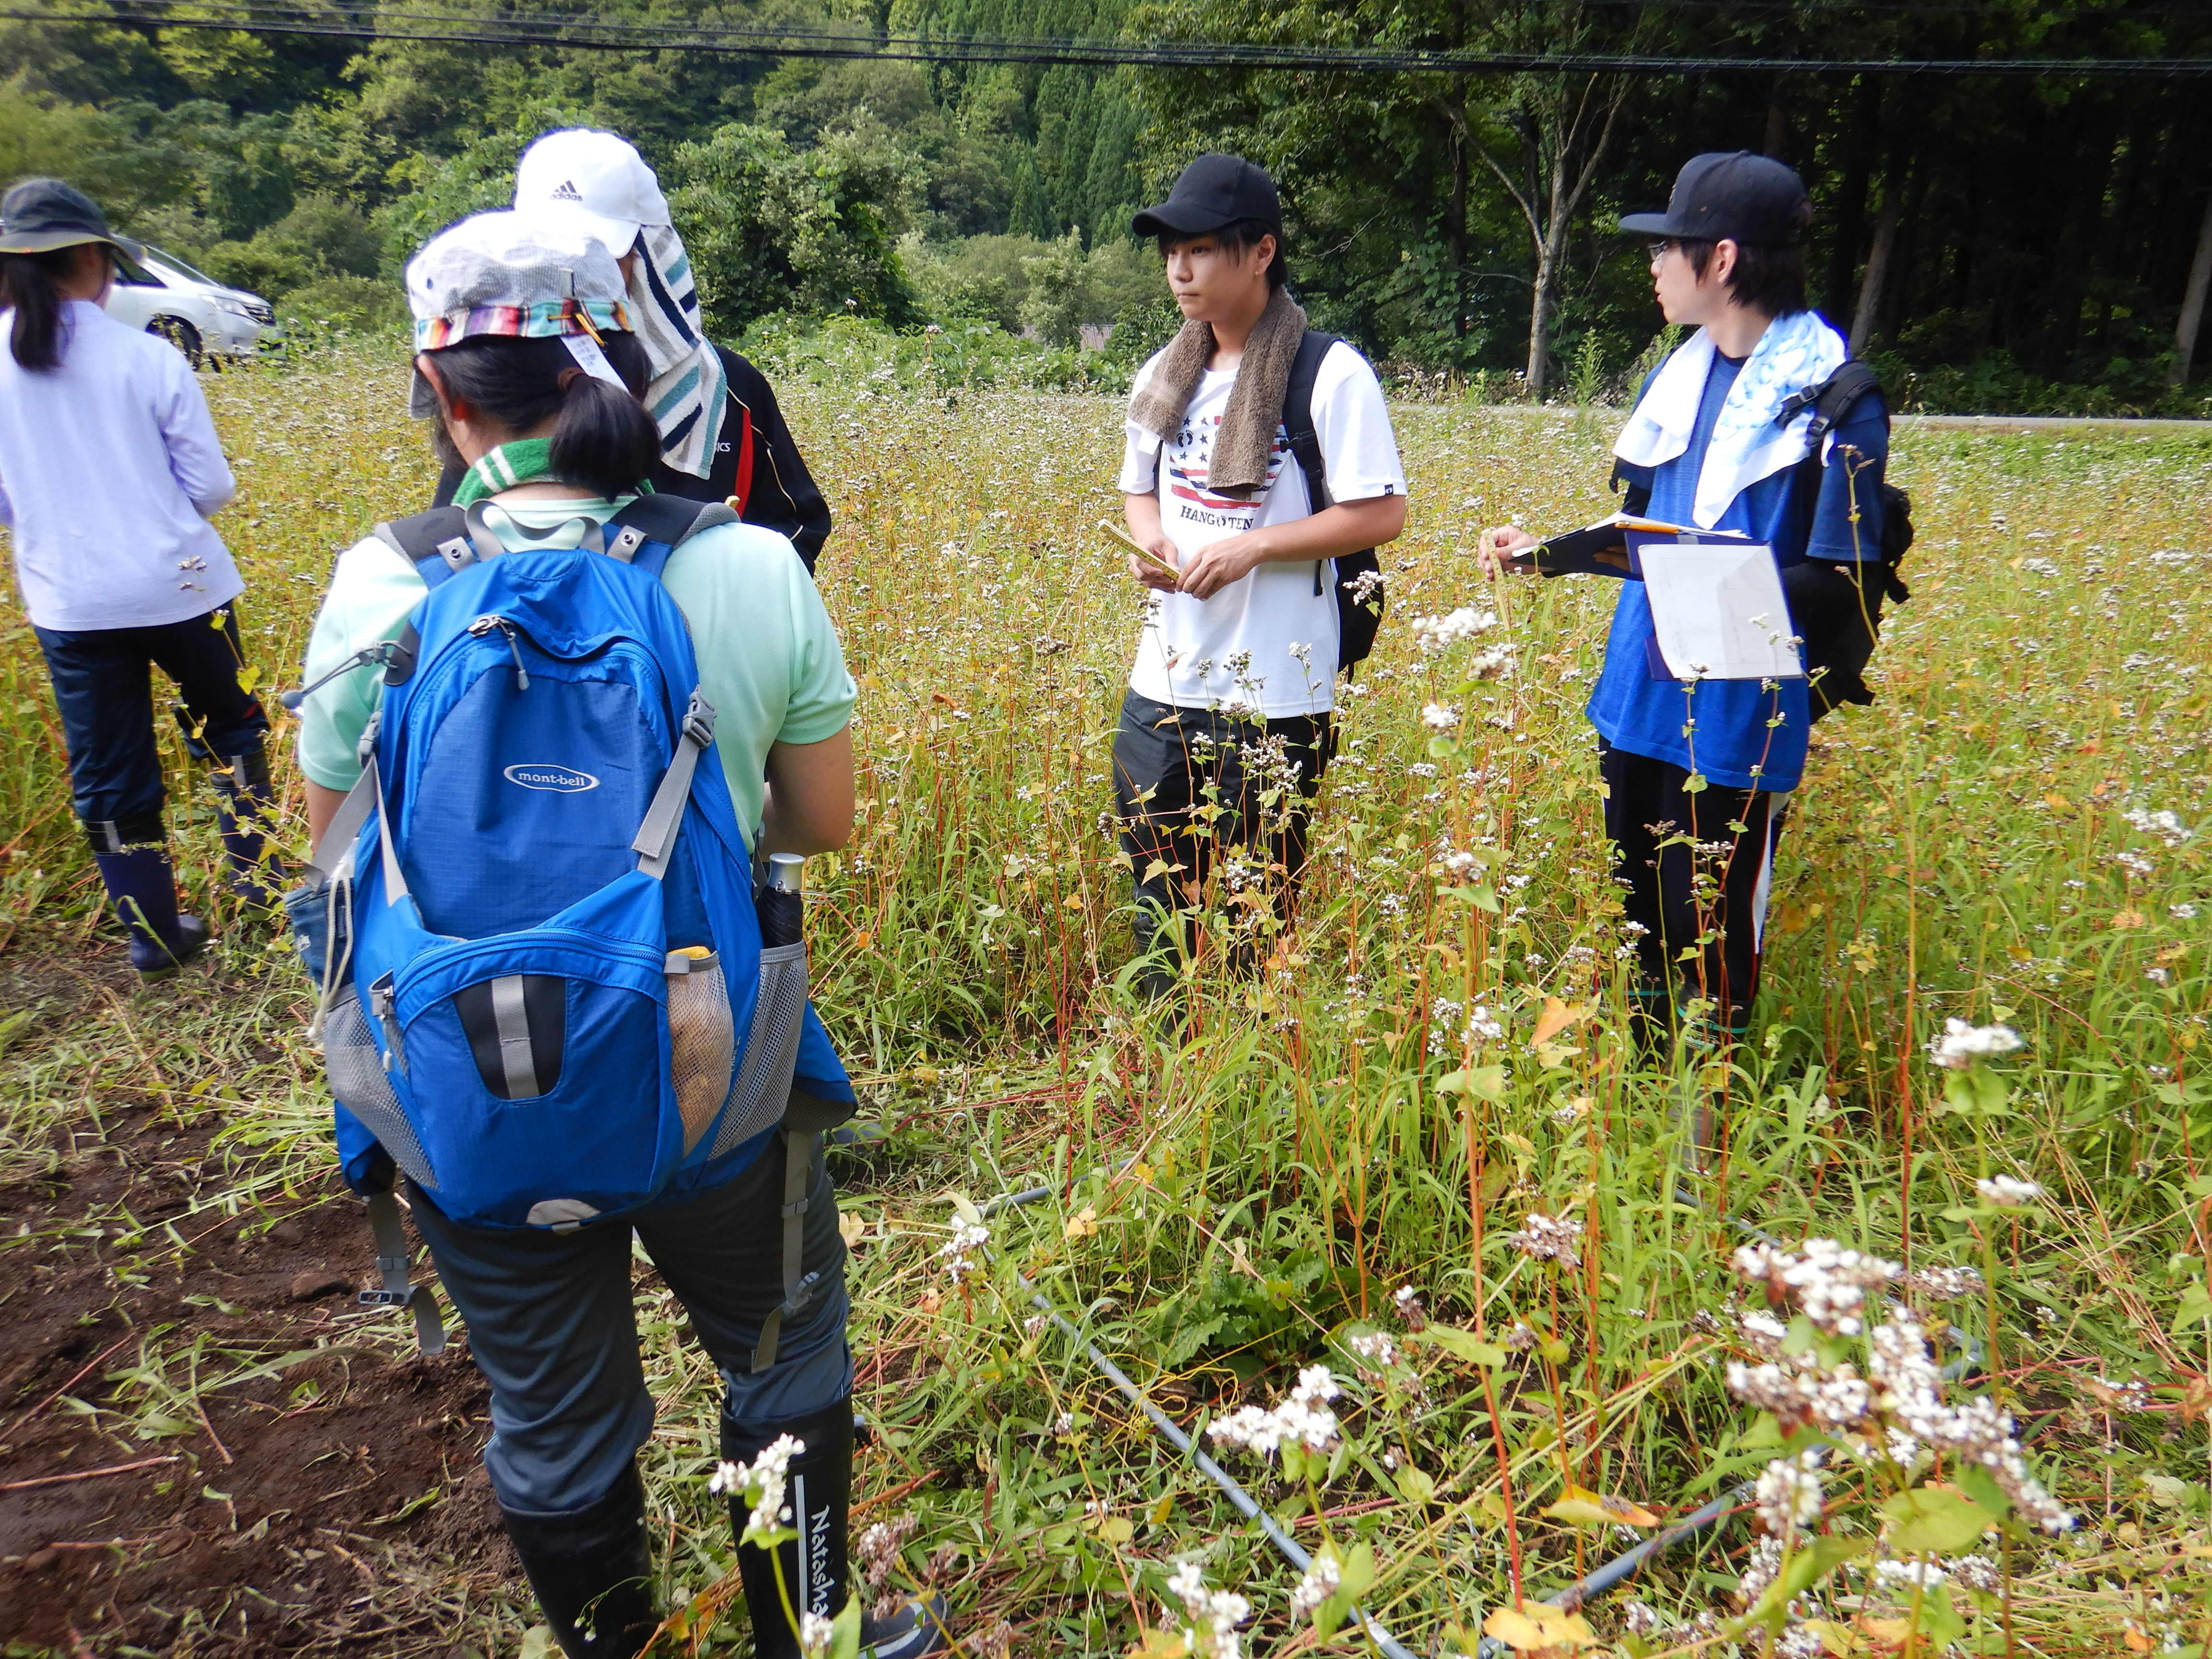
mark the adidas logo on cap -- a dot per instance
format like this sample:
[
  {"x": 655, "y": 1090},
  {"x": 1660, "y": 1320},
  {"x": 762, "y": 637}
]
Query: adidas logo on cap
[{"x": 566, "y": 191}]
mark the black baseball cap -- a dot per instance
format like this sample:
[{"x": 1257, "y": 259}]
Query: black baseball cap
[
  {"x": 1213, "y": 190},
  {"x": 40, "y": 214},
  {"x": 1731, "y": 195}
]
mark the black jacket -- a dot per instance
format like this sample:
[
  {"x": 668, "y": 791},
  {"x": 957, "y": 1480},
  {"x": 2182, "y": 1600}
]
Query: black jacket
[{"x": 783, "y": 496}]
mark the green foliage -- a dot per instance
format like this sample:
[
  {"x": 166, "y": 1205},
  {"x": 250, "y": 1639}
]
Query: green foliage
[
  {"x": 322, "y": 239},
  {"x": 774, "y": 231}
]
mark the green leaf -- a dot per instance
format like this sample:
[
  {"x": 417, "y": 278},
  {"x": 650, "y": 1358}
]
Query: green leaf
[
  {"x": 1763, "y": 1431},
  {"x": 1805, "y": 1567},
  {"x": 1939, "y": 1620},
  {"x": 2196, "y": 1304},
  {"x": 1416, "y": 1487},
  {"x": 1983, "y": 1489},
  {"x": 845, "y": 1631},
  {"x": 1355, "y": 1572},
  {"x": 1463, "y": 1344},
  {"x": 1486, "y": 1082},
  {"x": 1927, "y": 1519},
  {"x": 1443, "y": 748}
]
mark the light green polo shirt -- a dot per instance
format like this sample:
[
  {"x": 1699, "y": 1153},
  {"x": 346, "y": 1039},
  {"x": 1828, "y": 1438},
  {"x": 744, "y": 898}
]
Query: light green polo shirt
[{"x": 769, "y": 658}]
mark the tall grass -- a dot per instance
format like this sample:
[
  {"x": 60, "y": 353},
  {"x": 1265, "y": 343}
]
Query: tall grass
[{"x": 1341, "y": 1123}]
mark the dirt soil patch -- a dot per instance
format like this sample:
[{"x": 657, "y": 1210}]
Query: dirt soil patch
[{"x": 206, "y": 1447}]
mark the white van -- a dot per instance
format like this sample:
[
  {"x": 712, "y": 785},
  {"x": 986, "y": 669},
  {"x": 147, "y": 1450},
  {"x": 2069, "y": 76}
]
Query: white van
[{"x": 164, "y": 295}]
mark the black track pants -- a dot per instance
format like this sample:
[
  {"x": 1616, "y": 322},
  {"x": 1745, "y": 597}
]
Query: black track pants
[
  {"x": 1697, "y": 868},
  {"x": 1173, "y": 766}
]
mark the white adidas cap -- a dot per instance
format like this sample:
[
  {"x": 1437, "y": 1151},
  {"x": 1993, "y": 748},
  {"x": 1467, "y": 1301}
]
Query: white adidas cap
[{"x": 595, "y": 180}]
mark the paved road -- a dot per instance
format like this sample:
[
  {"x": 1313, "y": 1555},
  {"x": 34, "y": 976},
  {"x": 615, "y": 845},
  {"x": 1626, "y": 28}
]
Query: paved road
[
  {"x": 1971, "y": 422},
  {"x": 2040, "y": 423}
]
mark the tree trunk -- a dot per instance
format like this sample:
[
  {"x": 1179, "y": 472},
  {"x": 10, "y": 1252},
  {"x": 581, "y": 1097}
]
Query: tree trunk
[
  {"x": 2192, "y": 301},
  {"x": 1777, "y": 121},
  {"x": 1851, "y": 209},
  {"x": 1455, "y": 232},
  {"x": 1544, "y": 306},
  {"x": 1877, "y": 265}
]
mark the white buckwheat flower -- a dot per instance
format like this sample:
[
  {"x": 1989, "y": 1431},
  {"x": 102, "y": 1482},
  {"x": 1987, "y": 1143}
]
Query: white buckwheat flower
[
  {"x": 1437, "y": 718},
  {"x": 1319, "y": 1583},
  {"x": 1302, "y": 1420},
  {"x": 1215, "y": 1613},
  {"x": 1788, "y": 1496},
  {"x": 1962, "y": 1044},
  {"x": 815, "y": 1634},
  {"x": 963, "y": 1253},
  {"x": 1433, "y": 634},
  {"x": 1830, "y": 1282},
  {"x": 1543, "y": 1238},
  {"x": 2007, "y": 1194},
  {"x": 760, "y": 1484}
]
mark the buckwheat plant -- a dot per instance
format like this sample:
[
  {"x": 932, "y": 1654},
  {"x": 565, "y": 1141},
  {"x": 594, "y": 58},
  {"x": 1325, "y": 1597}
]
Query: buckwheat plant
[
  {"x": 1214, "y": 1614},
  {"x": 1852, "y": 1373}
]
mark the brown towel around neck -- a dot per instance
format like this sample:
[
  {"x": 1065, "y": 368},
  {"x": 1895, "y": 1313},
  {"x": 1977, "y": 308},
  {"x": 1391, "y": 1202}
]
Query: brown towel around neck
[{"x": 1242, "y": 447}]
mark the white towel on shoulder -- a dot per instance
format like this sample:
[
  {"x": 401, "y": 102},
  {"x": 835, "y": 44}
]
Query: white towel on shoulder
[{"x": 1796, "y": 351}]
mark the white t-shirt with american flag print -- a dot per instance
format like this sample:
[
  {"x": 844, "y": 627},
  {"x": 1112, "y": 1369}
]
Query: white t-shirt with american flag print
[{"x": 1267, "y": 641}]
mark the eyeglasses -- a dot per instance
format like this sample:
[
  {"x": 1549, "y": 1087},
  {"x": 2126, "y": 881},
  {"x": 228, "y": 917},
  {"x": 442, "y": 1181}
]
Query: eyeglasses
[{"x": 1658, "y": 250}]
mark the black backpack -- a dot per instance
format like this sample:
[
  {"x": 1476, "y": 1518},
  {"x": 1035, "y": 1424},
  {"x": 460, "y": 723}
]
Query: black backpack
[
  {"x": 1358, "y": 576},
  {"x": 1839, "y": 617}
]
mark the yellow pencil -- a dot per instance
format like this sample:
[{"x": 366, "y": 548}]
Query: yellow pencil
[{"x": 1139, "y": 548}]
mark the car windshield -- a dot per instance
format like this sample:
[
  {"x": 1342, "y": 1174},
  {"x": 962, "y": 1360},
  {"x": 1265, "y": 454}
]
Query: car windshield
[{"x": 157, "y": 258}]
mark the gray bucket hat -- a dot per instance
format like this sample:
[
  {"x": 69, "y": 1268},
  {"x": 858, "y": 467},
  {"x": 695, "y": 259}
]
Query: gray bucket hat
[{"x": 40, "y": 214}]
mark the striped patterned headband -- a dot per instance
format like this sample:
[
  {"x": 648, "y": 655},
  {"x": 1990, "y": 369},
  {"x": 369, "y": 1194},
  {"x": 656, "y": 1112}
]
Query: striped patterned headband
[{"x": 549, "y": 319}]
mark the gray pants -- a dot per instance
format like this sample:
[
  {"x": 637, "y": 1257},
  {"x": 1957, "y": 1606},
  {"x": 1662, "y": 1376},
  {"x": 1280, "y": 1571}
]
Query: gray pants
[{"x": 552, "y": 1324}]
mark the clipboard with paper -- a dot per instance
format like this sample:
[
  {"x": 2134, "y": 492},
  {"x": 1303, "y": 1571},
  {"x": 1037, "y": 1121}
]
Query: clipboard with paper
[{"x": 1717, "y": 609}]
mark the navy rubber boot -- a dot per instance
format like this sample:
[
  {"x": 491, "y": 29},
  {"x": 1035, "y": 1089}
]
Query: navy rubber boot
[
  {"x": 144, "y": 889},
  {"x": 815, "y": 1576},
  {"x": 246, "y": 804},
  {"x": 591, "y": 1572}
]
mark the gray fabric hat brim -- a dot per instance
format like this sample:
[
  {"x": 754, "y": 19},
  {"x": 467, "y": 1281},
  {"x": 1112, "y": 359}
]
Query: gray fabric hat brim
[{"x": 46, "y": 241}]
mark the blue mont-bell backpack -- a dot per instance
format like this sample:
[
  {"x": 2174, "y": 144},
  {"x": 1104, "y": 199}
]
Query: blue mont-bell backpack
[{"x": 545, "y": 995}]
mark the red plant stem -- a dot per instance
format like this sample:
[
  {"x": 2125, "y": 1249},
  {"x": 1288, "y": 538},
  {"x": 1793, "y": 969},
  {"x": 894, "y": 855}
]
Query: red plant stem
[{"x": 1505, "y": 1487}]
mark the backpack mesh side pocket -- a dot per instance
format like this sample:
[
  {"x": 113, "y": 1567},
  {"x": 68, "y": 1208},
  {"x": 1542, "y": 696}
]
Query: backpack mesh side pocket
[
  {"x": 762, "y": 1087},
  {"x": 701, "y": 1039},
  {"x": 356, "y": 1072}
]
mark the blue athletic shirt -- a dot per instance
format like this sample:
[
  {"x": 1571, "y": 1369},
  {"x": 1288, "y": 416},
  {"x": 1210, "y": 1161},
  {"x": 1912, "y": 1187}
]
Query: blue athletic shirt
[{"x": 1636, "y": 706}]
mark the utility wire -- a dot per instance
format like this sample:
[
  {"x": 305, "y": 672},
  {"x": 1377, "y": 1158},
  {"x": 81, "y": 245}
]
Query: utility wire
[{"x": 588, "y": 35}]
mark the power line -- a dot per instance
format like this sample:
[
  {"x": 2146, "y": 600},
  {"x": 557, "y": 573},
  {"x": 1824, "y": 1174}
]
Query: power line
[{"x": 593, "y": 34}]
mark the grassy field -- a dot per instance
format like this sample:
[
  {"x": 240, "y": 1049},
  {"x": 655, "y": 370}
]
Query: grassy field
[{"x": 1436, "y": 1056}]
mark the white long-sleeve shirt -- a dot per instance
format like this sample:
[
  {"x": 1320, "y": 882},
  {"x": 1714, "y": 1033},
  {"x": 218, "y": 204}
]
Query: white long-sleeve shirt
[{"x": 109, "y": 471}]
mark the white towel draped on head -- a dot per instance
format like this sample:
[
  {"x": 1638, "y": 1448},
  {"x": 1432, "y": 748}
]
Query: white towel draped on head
[
  {"x": 1795, "y": 351},
  {"x": 688, "y": 391}
]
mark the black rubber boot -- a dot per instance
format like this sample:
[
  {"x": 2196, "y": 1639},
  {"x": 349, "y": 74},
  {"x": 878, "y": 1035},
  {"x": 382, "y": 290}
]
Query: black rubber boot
[
  {"x": 816, "y": 1578},
  {"x": 592, "y": 1569},
  {"x": 144, "y": 892},
  {"x": 245, "y": 811}
]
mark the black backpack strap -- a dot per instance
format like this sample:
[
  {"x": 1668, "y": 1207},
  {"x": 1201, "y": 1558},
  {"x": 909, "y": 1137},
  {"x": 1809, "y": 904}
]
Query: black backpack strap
[
  {"x": 650, "y": 528},
  {"x": 435, "y": 542},
  {"x": 1358, "y": 576},
  {"x": 1297, "y": 415},
  {"x": 1831, "y": 400}
]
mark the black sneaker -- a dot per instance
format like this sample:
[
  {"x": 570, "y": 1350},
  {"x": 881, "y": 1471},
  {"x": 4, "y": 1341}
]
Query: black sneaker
[{"x": 915, "y": 1631}]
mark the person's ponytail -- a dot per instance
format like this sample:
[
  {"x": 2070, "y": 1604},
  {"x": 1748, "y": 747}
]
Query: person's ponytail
[
  {"x": 30, "y": 287},
  {"x": 604, "y": 438}
]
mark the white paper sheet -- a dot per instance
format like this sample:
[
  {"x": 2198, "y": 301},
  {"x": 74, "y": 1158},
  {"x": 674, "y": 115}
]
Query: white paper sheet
[{"x": 1718, "y": 611}]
